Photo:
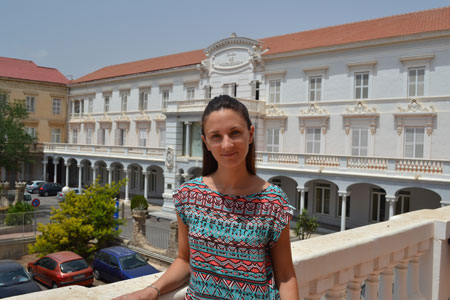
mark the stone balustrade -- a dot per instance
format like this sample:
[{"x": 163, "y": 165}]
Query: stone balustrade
[
  {"x": 342, "y": 163},
  {"x": 406, "y": 258}
]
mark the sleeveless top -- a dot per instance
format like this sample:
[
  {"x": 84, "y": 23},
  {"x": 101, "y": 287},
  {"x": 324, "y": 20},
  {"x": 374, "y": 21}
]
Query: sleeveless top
[{"x": 230, "y": 239}]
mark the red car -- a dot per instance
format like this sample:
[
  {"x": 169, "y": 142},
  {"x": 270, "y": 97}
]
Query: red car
[{"x": 61, "y": 269}]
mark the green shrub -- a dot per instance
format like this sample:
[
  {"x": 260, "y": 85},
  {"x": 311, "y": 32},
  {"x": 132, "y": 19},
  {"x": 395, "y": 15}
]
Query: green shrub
[
  {"x": 305, "y": 225},
  {"x": 19, "y": 214},
  {"x": 138, "y": 202}
]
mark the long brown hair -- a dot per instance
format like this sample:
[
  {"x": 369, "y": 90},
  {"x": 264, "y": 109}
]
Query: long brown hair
[{"x": 226, "y": 102}]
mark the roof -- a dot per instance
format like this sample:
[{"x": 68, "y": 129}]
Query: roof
[
  {"x": 118, "y": 251},
  {"x": 9, "y": 264},
  {"x": 63, "y": 256},
  {"x": 433, "y": 20},
  {"x": 28, "y": 70}
]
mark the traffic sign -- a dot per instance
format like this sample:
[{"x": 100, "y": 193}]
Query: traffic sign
[{"x": 35, "y": 202}]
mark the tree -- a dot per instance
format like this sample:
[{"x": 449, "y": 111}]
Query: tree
[
  {"x": 19, "y": 214},
  {"x": 83, "y": 223},
  {"x": 305, "y": 225},
  {"x": 15, "y": 142}
]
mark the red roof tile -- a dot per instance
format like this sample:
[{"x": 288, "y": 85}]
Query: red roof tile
[
  {"x": 28, "y": 70},
  {"x": 394, "y": 26},
  {"x": 146, "y": 65}
]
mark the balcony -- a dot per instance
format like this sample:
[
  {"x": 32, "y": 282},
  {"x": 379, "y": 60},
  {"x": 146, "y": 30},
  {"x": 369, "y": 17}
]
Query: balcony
[
  {"x": 107, "y": 151},
  {"x": 363, "y": 166},
  {"x": 404, "y": 258}
]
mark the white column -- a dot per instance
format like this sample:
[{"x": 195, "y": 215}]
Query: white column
[
  {"x": 145, "y": 184},
  {"x": 55, "y": 175},
  {"x": 302, "y": 199},
  {"x": 387, "y": 280},
  {"x": 44, "y": 170},
  {"x": 126, "y": 185},
  {"x": 94, "y": 173},
  {"x": 79, "y": 175},
  {"x": 391, "y": 200},
  {"x": 109, "y": 175},
  {"x": 67, "y": 173},
  {"x": 187, "y": 149},
  {"x": 343, "y": 196},
  {"x": 400, "y": 285}
]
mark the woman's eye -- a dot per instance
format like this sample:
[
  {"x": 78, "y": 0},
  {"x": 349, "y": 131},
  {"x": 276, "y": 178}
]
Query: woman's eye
[{"x": 235, "y": 133}]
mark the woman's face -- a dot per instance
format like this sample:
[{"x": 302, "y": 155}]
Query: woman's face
[{"x": 227, "y": 137}]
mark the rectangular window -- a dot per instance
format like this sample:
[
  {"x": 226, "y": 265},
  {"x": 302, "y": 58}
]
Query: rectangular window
[
  {"x": 208, "y": 90},
  {"x": 102, "y": 136},
  {"x": 30, "y": 104},
  {"x": 123, "y": 102},
  {"x": 323, "y": 198},
  {"x": 378, "y": 205},
  {"x": 88, "y": 135},
  {"x": 142, "y": 137},
  {"x": 143, "y": 100},
  {"x": 274, "y": 91},
  {"x": 315, "y": 88},
  {"x": 122, "y": 137},
  {"x": 162, "y": 136},
  {"x": 255, "y": 89},
  {"x": 56, "y": 135},
  {"x": 414, "y": 142},
  {"x": 31, "y": 131},
  {"x": 152, "y": 180},
  {"x": 90, "y": 105},
  {"x": 56, "y": 106},
  {"x": 313, "y": 140},
  {"x": 165, "y": 98},
  {"x": 362, "y": 85},
  {"x": 76, "y": 107},
  {"x": 347, "y": 207},
  {"x": 190, "y": 93},
  {"x": 273, "y": 140},
  {"x": 360, "y": 138},
  {"x": 106, "y": 104},
  {"x": 230, "y": 89},
  {"x": 402, "y": 204},
  {"x": 4, "y": 96},
  {"x": 74, "y": 136},
  {"x": 416, "y": 81}
]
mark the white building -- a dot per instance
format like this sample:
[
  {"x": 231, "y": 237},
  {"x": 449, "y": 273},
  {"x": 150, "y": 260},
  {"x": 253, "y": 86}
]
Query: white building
[{"x": 351, "y": 120}]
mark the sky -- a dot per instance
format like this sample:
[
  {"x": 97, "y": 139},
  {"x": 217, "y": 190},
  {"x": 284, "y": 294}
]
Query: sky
[{"x": 80, "y": 36}]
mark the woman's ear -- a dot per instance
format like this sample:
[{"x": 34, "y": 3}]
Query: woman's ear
[
  {"x": 204, "y": 141},
  {"x": 252, "y": 134}
]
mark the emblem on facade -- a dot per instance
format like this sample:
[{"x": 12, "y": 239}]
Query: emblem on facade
[
  {"x": 314, "y": 110},
  {"x": 360, "y": 108},
  {"x": 416, "y": 106},
  {"x": 169, "y": 157},
  {"x": 274, "y": 113}
]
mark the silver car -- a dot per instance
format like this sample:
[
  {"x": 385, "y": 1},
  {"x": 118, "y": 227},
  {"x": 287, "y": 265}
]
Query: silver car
[
  {"x": 32, "y": 186},
  {"x": 61, "y": 196}
]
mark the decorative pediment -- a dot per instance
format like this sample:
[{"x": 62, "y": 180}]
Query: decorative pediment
[
  {"x": 122, "y": 119},
  {"x": 314, "y": 112},
  {"x": 416, "y": 107},
  {"x": 88, "y": 119},
  {"x": 159, "y": 119},
  {"x": 417, "y": 111},
  {"x": 105, "y": 119},
  {"x": 143, "y": 118},
  {"x": 273, "y": 112},
  {"x": 360, "y": 111}
]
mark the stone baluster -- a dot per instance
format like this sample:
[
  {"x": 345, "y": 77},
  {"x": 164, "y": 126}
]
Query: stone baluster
[
  {"x": 387, "y": 281},
  {"x": 354, "y": 289},
  {"x": 400, "y": 285},
  {"x": 413, "y": 284},
  {"x": 372, "y": 283},
  {"x": 336, "y": 293}
]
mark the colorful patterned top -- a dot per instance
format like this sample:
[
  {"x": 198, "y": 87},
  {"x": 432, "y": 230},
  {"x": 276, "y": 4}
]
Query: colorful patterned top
[{"x": 230, "y": 239}]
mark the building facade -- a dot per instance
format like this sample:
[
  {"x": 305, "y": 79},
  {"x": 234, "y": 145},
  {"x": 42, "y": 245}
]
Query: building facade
[
  {"x": 44, "y": 91},
  {"x": 351, "y": 120}
]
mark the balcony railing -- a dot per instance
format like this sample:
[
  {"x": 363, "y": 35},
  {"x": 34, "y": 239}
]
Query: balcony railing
[
  {"x": 404, "y": 258},
  {"x": 341, "y": 163},
  {"x": 105, "y": 150}
]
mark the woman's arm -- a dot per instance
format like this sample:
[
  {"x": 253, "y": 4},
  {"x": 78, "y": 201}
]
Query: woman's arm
[
  {"x": 283, "y": 268},
  {"x": 175, "y": 276}
]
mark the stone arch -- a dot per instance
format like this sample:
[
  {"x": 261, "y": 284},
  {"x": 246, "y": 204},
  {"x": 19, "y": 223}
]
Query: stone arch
[
  {"x": 367, "y": 203},
  {"x": 415, "y": 198},
  {"x": 155, "y": 185},
  {"x": 101, "y": 171},
  {"x": 289, "y": 186},
  {"x": 87, "y": 176},
  {"x": 321, "y": 200}
]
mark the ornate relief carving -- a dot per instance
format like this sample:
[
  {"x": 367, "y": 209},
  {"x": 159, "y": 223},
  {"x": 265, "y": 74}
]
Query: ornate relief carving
[
  {"x": 143, "y": 118},
  {"x": 123, "y": 119},
  {"x": 415, "y": 106},
  {"x": 274, "y": 113},
  {"x": 169, "y": 157},
  {"x": 360, "y": 108},
  {"x": 159, "y": 120},
  {"x": 105, "y": 119},
  {"x": 314, "y": 110}
]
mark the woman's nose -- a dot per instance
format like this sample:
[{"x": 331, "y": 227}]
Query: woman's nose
[{"x": 227, "y": 142}]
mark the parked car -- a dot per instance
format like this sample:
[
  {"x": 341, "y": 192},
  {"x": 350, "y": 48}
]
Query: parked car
[
  {"x": 27, "y": 197},
  {"x": 33, "y": 185},
  {"x": 120, "y": 263},
  {"x": 49, "y": 189},
  {"x": 15, "y": 280},
  {"x": 61, "y": 269},
  {"x": 61, "y": 196}
]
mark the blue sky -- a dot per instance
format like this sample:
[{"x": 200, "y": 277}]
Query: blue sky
[{"x": 81, "y": 36}]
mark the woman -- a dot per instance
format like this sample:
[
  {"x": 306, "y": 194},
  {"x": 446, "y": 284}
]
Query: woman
[{"x": 233, "y": 226}]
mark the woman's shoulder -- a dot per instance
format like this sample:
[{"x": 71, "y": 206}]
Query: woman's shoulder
[{"x": 191, "y": 184}]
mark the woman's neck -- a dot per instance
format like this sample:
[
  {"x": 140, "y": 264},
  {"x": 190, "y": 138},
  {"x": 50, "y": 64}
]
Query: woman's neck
[{"x": 231, "y": 179}]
